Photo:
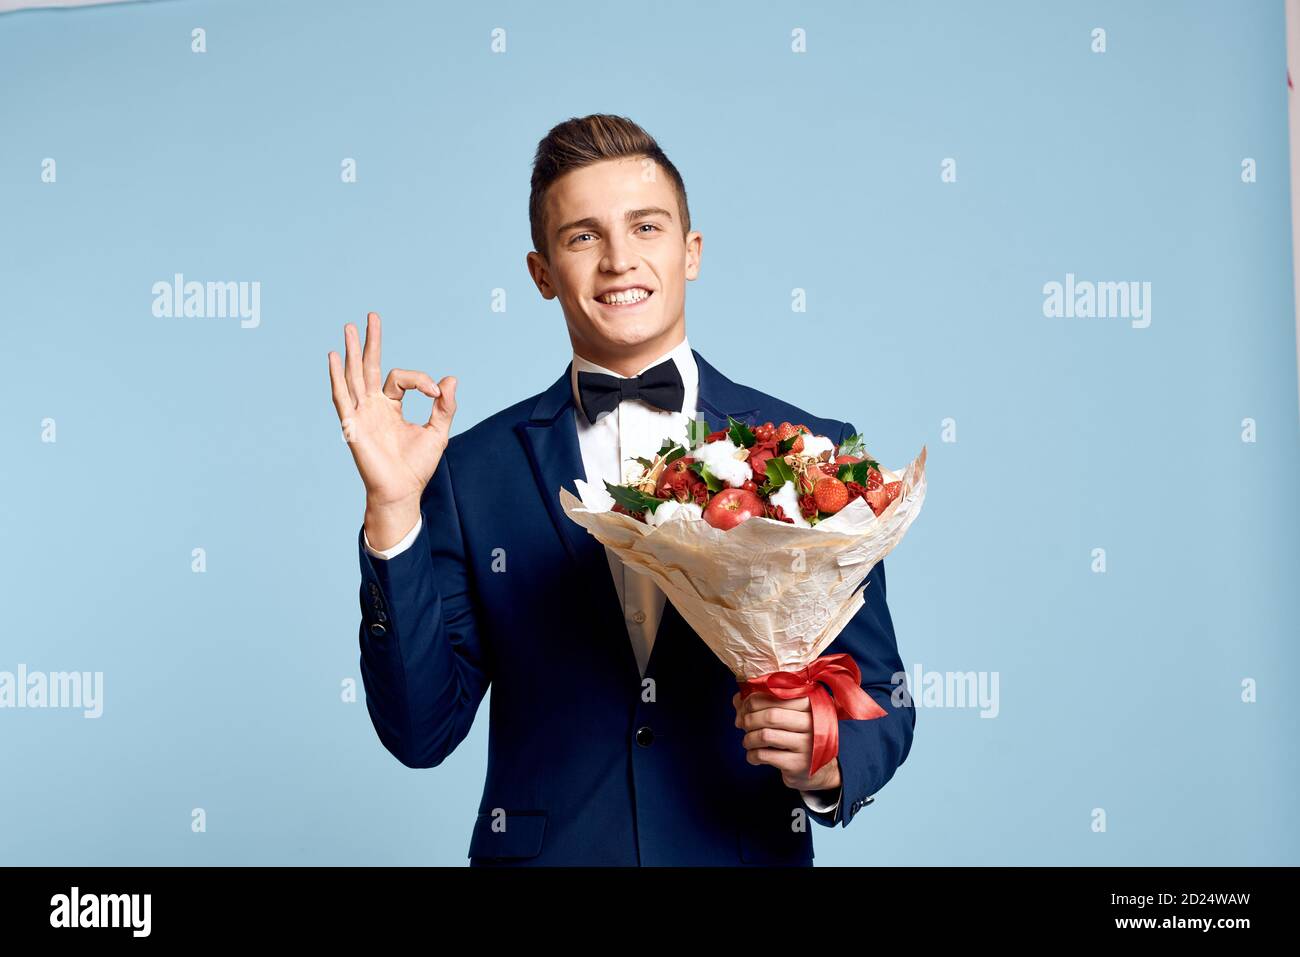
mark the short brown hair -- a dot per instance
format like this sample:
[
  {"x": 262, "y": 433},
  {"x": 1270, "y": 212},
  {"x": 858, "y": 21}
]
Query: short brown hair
[{"x": 582, "y": 141}]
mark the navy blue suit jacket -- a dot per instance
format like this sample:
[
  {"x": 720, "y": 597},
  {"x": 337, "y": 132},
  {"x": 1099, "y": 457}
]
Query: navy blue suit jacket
[{"x": 587, "y": 762}]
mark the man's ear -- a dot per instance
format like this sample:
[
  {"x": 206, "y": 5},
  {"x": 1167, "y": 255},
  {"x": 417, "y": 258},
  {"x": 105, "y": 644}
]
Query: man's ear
[
  {"x": 540, "y": 270},
  {"x": 694, "y": 249}
]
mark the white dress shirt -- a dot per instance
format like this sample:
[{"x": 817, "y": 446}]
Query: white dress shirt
[{"x": 609, "y": 448}]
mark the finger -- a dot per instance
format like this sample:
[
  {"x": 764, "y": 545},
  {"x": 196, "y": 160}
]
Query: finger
[
  {"x": 777, "y": 739},
  {"x": 785, "y": 760},
  {"x": 401, "y": 381},
  {"x": 445, "y": 406},
  {"x": 759, "y": 702},
  {"x": 352, "y": 361},
  {"x": 370, "y": 358},
  {"x": 343, "y": 403},
  {"x": 771, "y": 701},
  {"x": 776, "y": 718}
]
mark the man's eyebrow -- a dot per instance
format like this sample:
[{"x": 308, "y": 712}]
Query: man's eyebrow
[{"x": 590, "y": 222}]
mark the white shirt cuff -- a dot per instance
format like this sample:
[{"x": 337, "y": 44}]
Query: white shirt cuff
[
  {"x": 397, "y": 549},
  {"x": 815, "y": 803}
]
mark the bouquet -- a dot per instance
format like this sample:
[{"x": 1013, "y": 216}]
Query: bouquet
[{"x": 760, "y": 538}]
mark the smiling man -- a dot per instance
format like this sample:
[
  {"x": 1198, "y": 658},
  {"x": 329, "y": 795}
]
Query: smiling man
[{"x": 615, "y": 736}]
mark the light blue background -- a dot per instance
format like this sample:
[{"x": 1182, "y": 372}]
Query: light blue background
[{"x": 820, "y": 171}]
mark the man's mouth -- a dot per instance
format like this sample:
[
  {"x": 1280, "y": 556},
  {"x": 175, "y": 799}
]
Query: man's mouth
[{"x": 625, "y": 297}]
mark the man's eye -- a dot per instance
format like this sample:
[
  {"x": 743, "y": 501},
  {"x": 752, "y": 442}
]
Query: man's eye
[
  {"x": 579, "y": 236},
  {"x": 651, "y": 225}
]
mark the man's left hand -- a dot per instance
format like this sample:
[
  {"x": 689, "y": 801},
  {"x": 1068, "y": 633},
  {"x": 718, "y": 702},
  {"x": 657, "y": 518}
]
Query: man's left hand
[{"x": 779, "y": 732}]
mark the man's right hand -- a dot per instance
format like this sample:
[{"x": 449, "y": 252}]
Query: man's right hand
[{"x": 396, "y": 458}]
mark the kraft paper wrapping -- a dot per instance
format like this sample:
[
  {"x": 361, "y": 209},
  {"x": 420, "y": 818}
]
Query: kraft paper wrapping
[{"x": 765, "y": 596}]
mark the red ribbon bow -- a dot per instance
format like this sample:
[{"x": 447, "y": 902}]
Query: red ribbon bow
[{"x": 838, "y": 673}]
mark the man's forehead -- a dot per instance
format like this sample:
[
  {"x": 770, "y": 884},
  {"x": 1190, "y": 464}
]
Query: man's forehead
[{"x": 609, "y": 192}]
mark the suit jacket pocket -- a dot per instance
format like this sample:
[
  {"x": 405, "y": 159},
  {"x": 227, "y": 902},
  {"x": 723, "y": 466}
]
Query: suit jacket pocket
[{"x": 516, "y": 835}]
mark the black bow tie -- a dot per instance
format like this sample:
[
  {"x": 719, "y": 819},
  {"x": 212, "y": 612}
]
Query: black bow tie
[{"x": 660, "y": 386}]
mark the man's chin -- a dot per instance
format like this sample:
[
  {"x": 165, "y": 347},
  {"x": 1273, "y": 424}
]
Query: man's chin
[{"x": 628, "y": 333}]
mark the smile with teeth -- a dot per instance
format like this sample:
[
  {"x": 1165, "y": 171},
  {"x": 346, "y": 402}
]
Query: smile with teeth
[{"x": 625, "y": 298}]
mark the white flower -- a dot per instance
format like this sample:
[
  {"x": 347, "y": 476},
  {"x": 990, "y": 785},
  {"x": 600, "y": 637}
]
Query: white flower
[
  {"x": 662, "y": 513},
  {"x": 720, "y": 458},
  {"x": 785, "y": 497},
  {"x": 815, "y": 445},
  {"x": 633, "y": 472}
]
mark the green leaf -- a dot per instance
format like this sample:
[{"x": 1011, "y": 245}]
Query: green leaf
[
  {"x": 741, "y": 434},
  {"x": 643, "y": 461},
  {"x": 785, "y": 445},
  {"x": 856, "y": 471},
  {"x": 632, "y": 499},
  {"x": 853, "y": 446},
  {"x": 714, "y": 483},
  {"x": 778, "y": 473},
  {"x": 675, "y": 454}
]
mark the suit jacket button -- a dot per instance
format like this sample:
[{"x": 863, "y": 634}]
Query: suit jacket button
[
  {"x": 644, "y": 737},
  {"x": 377, "y": 630},
  {"x": 374, "y": 589}
]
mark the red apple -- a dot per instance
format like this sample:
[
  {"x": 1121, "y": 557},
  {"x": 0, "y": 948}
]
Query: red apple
[{"x": 732, "y": 506}]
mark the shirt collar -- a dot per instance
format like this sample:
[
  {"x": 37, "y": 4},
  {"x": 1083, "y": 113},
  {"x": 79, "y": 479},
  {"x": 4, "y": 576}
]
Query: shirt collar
[{"x": 680, "y": 354}]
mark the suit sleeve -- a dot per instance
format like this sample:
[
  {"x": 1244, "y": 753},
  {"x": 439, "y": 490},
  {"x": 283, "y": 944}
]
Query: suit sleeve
[
  {"x": 816, "y": 804},
  {"x": 407, "y": 541},
  {"x": 872, "y": 750},
  {"x": 423, "y": 664}
]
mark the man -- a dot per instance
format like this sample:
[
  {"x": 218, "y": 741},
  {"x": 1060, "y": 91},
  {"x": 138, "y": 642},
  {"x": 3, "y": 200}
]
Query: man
[{"x": 615, "y": 735}]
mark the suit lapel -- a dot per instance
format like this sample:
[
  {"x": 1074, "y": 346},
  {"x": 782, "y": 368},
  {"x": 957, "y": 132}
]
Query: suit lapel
[
  {"x": 719, "y": 397},
  {"x": 550, "y": 438}
]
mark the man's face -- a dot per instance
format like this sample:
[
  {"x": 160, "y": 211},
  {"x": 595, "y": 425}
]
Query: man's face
[{"x": 613, "y": 226}]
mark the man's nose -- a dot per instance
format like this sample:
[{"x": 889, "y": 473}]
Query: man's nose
[{"x": 618, "y": 254}]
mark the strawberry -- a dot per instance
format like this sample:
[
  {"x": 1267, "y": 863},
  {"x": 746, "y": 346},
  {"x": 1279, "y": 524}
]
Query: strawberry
[
  {"x": 831, "y": 495},
  {"x": 880, "y": 496},
  {"x": 785, "y": 430}
]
